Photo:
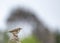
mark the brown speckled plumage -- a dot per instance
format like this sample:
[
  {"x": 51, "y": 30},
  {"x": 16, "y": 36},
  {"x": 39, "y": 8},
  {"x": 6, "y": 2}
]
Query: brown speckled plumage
[{"x": 15, "y": 38}]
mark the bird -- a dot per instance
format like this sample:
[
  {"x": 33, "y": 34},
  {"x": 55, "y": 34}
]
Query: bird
[{"x": 14, "y": 38}]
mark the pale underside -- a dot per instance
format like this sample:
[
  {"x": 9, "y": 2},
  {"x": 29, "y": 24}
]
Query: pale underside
[{"x": 13, "y": 41}]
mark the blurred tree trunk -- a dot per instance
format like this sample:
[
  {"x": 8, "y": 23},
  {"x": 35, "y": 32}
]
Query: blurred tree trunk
[{"x": 41, "y": 32}]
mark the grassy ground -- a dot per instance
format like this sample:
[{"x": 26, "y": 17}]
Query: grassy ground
[{"x": 30, "y": 39}]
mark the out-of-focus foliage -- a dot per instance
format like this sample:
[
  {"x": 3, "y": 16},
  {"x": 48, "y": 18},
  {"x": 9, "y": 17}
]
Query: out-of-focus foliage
[
  {"x": 57, "y": 37},
  {"x": 1, "y": 37},
  {"x": 5, "y": 37},
  {"x": 30, "y": 39}
]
